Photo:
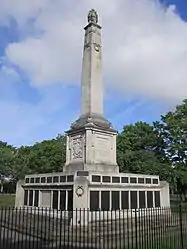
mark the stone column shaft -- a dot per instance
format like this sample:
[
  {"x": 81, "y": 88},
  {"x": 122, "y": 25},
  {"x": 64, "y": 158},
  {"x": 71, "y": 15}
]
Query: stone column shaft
[{"x": 91, "y": 85}]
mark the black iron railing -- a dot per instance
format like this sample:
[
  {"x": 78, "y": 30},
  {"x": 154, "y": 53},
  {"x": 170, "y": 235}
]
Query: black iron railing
[{"x": 36, "y": 228}]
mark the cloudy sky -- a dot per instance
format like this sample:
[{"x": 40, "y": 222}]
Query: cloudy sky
[{"x": 144, "y": 63}]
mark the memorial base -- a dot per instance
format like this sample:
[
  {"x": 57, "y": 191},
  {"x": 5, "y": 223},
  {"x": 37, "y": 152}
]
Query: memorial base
[{"x": 91, "y": 191}]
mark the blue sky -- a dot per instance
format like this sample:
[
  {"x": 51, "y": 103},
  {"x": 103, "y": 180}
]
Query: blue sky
[
  {"x": 181, "y": 6},
  {"x": 144, "y": 63}
]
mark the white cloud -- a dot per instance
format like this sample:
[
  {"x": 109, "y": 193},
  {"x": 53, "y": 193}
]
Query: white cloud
[
  {"x": 28, "y": 115},
  {"x": 10, "y": 73},
  {"x": 21, "y": 10},
  {"x": 144, "y": 45},
  {"x": 24, "y": 123}
]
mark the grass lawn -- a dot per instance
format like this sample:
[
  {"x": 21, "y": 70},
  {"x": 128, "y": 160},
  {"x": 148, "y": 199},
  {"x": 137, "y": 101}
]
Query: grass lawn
[
  {"x": 170, "y": 241},
  {"x": 7, "y": 200}
]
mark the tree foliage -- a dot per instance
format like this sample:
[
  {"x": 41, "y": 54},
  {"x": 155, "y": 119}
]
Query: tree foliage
[
  {"x": 7, "y": 158},
  {"x": 173, "y": 130},
  {"x": 140, "y": 150},
  {"x": 46, "y": 156}
]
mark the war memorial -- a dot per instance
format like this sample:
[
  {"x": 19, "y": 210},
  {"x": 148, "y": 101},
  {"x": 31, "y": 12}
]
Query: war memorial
[{"x": 90, "y": 178}]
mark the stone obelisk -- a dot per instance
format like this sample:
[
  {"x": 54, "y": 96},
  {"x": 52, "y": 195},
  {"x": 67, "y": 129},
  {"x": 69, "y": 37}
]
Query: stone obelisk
[
  {"x": 92, "y": 86},
  {"x": 91, "y": 141}
]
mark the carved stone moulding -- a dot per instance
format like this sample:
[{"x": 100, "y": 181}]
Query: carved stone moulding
[{"x": 77, "y": 145}]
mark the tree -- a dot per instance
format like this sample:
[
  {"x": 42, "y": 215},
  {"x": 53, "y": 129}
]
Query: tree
[
  {"x": 21, "y": 166},
  {"x": 45, "y": 157},
  {"x": 7, "y": 157},
  {"x": 140, "y": 150},
  {"x": 173, "y": 130},
  {"x": 7, "y": 160}
]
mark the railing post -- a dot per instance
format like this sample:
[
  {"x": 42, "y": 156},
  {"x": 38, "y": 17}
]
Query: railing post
[
  {"x": 181, "y": 228},
  {"x": 136, "y": 224}
]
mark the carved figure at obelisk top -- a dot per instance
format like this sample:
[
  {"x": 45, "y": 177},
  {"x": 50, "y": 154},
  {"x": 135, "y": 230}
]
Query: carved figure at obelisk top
[{"x": 92, "y": 16}]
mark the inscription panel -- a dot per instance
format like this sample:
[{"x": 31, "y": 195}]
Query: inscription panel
[{"x": 102, "y": 147}]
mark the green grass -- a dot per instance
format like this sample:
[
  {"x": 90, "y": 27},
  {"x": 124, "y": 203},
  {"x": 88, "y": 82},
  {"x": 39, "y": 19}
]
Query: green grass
[
  {"x": 175, "y": 208},
  {"x": 7, "y": 200},
  {"x": 173, "y": 241}
]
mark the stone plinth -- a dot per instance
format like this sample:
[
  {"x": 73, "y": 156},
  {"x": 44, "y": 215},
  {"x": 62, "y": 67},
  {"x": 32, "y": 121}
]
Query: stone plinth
[{"x": 91, "y": 147}]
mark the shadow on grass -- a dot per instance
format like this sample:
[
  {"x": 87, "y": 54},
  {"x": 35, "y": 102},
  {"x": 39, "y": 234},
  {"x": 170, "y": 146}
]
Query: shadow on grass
[{"x": 38, "y": 245}]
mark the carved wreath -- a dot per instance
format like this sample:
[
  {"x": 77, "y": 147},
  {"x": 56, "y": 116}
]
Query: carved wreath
[{"x": 79, "y": 191}]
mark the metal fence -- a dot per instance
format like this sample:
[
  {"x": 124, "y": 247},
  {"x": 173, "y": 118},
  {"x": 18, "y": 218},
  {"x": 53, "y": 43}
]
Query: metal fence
[{"x": 159, "y": 228}]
